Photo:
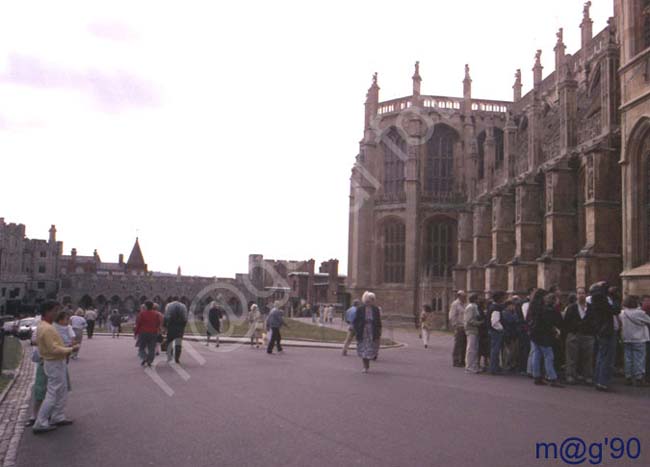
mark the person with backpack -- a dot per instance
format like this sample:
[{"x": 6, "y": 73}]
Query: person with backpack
[
  {"x": 496, "y": 331},
  {"x": 175, "y": 322}
]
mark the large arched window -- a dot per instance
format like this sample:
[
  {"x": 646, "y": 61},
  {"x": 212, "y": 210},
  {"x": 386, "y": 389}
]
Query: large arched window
[
  {"x": 394, "y": 148},
  {"x": 439, "y": 248},
  {"x": 394, "y": 251},
  {"x": 498, "y": 145},
  {"x": 481, "y": 154},
  {"x": 439, "y": 167}
]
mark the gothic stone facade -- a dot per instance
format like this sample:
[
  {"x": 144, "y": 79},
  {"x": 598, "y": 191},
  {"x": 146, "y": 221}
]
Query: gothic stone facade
[
  {"x": 28, "y": 267},
  {"x": 463, "y": 193}
]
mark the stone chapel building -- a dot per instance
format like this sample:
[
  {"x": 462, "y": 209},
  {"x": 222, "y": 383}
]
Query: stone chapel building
[{"x": 551, "y": 188}]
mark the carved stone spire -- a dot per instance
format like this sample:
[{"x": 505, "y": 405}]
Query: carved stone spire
[
  {"x": 517, "y": 86},
  {"x": 417, "y": 80},
  {"x": 372, "y": 101},
  {"x": 467, "y": 91},
  {"x": 560, "y": 48},
  {"x": 587, "y": 25},
  {"x": 537, "y": 69}
]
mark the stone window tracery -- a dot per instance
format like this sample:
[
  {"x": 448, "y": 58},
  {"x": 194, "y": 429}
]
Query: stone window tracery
[
  {"x": 394, "y": 147},
  {"x": 439, "y": 165},
  {"x": 394, "y": 251},
  {"x": 439, "y": 248}
]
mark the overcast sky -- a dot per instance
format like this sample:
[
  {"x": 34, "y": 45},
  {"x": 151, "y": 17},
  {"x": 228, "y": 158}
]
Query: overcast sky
[{"x": 218, "y": 129}]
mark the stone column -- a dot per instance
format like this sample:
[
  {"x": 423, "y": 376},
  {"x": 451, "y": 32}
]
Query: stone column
[
  {"x": 363, "y": 187},
  {"x": 556, "y": 266},
  {"x": 465, "y": 250},
  {"x": 600, "y": 257},
  {"x": 503, "y": 242},
  {"x": 568, "y": 110},
  {"x": 482, "y": 247},
  {"x": 415, "y": 128},
  {"x": 522, "y": 270}
]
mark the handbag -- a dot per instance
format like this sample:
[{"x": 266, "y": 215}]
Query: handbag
[{"x": 163, "y": 344}]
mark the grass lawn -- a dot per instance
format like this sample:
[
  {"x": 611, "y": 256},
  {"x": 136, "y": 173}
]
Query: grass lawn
[
  {"x": 13, "y": 354},
  {"x": 293, "y": 330}
]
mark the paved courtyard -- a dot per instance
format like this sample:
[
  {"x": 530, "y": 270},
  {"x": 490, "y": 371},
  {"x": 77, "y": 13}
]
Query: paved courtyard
[{"x": 313, "y": 407}]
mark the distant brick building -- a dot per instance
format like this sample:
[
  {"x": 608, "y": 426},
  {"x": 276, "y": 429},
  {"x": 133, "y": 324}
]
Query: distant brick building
[
  {"x": 297, "y": 282},
  {"x": 464, "y": 193},
  {"x": 33, "y": 270}
]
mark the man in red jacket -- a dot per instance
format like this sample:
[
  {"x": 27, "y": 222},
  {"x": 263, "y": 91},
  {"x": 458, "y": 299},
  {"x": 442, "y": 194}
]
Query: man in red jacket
[{"x": 147, "y": 327}]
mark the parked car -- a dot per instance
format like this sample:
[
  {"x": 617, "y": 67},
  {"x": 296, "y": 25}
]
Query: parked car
[
  {"x": 10, "y": 327},
  {"x": 26, "y": 328}
]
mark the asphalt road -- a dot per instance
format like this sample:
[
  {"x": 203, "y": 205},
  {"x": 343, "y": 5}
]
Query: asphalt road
[{"x": 311, "y": 407}]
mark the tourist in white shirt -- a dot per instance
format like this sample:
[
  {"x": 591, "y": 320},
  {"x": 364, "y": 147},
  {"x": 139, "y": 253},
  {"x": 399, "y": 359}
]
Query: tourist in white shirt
[
  {"x": 635, "y": 324},
  {"x": 457, "y": 323},
  {"x": 78, "y": 323}
]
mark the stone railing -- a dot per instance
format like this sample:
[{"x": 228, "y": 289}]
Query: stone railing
[
  {"x": 443, "y": 198},
  {"x": 443, "y": 103},
  {"x": 391, "y": 198}
]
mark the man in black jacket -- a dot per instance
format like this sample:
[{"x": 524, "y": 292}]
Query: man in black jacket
[
  {"x": 603, "y": 314},
  {"x": 175, "y": 321},
  {"x": 544, "y": 328},
  {"x": 579, "y": 327}
]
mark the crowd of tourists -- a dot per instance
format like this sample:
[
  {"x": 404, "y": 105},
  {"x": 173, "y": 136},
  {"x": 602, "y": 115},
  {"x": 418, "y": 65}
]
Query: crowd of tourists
[{"x": 586, "y": 338}]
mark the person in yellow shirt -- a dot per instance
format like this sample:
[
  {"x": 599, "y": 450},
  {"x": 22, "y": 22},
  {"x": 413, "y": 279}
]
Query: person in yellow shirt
[{"x": 54, "y": 353}]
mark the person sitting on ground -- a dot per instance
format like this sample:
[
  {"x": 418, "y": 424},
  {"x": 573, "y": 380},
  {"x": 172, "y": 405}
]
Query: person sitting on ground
[{"x": 635, "y": 324}]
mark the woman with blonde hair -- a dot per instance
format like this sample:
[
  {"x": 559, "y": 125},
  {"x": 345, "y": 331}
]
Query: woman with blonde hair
[{"x": 367, "y": 328}]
